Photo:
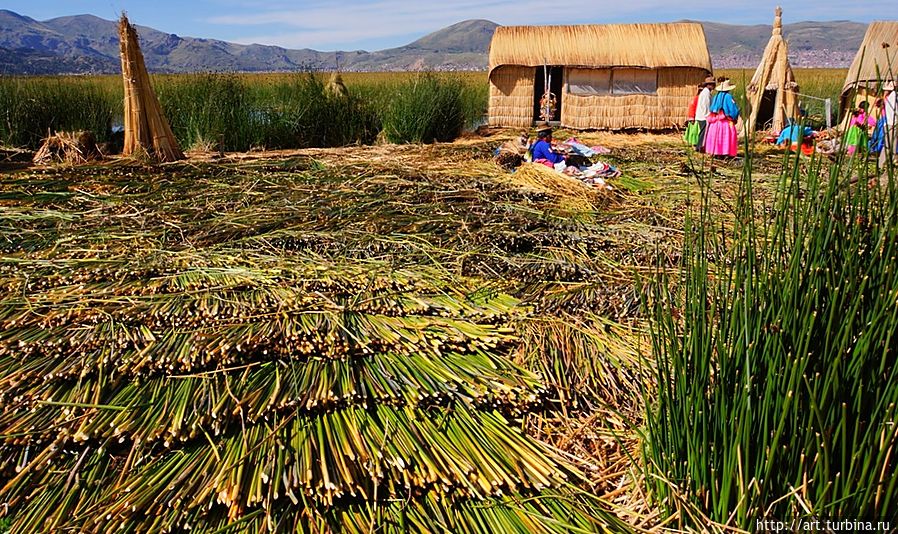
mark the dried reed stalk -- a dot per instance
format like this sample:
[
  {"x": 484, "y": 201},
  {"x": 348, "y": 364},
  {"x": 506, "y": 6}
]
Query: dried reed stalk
[
  {"x": 68, "y": 147},
  {"x": 146, "y": 129}
]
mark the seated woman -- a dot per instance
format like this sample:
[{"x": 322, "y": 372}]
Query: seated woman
[
  {"x": 542, "y": 149},
  {"x": 793, "y": 133}
]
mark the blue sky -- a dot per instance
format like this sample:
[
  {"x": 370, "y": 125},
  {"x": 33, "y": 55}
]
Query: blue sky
[{"x": 377, "y": 24}]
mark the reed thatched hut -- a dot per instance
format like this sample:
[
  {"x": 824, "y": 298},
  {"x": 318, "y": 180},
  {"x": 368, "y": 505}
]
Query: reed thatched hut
[
  {"x": 772, "y": 92},
  {"x": 613, "y": 76},
  {"x": 875, "y": 62}
]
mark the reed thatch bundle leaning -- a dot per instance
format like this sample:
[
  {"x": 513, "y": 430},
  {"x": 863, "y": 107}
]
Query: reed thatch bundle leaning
[{"x": 147, "y": 132}]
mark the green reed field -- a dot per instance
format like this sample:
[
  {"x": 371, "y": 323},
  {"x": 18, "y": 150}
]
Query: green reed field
[{"x": 237, "y": 112}]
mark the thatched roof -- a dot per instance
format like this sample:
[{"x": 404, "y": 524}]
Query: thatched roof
[
  {"x": 872, "y": 61},
  {"x": 606, "y": 45},
  {"x": 774, "y": 73}
]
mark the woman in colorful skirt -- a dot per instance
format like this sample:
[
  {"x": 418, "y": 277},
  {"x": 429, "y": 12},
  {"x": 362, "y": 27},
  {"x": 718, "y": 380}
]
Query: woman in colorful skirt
[
  {"x": 721, "y": 138},
  {"x": 858, "y": 127}
]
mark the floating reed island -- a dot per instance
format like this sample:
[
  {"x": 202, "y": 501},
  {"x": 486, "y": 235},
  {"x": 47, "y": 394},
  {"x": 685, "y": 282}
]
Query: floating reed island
[{"x": 292, "y": 350}]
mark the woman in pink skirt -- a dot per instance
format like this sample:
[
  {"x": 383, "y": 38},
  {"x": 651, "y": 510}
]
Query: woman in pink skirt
[{"x": 721, "y": 138}]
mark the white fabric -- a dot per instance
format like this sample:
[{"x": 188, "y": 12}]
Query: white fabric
[
  {"x": 703, "y": 108},
  {"x": 891, "y": 106}
]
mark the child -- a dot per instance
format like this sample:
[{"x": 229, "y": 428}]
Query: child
[
  {"x": 692, "y": 127},
  {"x": 858, "y": 127}
]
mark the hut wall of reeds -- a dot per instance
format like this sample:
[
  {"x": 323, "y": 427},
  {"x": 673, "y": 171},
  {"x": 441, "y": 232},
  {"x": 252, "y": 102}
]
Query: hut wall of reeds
[
  {"x": 511, "y": 96},
  {"x": 615, "y": 76},
  {"x": 772, "y": 92},
  {"x": 147, "y": 132},
  {"x": 874, "y": 64}
]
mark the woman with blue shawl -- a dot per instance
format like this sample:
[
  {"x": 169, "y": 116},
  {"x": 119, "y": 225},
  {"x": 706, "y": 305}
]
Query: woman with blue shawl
[
  {"x": 721, "y": 138},
  {"x": 878, "y": 139}
]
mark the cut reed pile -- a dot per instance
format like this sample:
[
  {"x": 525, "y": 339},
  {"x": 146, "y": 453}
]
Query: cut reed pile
[
  {"x": 571, "y": 192},
  {"x": 297, "y": 348},
  {"x": 68, "y": 147}
]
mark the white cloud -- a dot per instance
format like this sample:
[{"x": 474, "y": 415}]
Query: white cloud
[{"x": 330, "y": 25}]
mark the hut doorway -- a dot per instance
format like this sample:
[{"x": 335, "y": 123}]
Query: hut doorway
[
  {"x": 556, "y": 85},
  {"x": 764, "y": 118}
]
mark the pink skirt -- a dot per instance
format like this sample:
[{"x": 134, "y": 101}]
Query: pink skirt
[{"x": 721, "y": 138}]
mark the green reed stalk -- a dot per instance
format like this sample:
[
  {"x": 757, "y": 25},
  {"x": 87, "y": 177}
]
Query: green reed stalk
[
  {"x": 32, "y": 108},
  {"x": 776, "y": 368}
]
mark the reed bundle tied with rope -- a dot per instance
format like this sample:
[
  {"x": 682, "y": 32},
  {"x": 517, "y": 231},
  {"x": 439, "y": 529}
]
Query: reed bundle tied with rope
[{"x": 147, "y": 132}]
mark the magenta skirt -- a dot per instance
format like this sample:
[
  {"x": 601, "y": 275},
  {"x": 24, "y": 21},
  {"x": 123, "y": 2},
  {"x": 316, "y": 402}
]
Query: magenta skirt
[{"x": 721, "y": 138}]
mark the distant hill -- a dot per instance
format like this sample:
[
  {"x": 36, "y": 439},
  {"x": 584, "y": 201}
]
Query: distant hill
[
  {"x": 89, "y": 44},
  {"x": 811, "y": 44}
]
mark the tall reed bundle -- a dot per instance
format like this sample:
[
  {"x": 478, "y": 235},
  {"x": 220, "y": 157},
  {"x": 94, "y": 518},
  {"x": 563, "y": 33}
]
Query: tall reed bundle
[{"x": 146, "y": 129}]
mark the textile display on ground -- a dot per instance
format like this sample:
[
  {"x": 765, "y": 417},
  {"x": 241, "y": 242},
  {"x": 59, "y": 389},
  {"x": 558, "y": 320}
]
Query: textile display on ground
[{"x": 577, "y": 163}]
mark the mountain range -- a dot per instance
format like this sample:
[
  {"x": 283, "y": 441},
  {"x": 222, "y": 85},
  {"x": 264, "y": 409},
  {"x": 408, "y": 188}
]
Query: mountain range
[{"x": 82, "y": 44}]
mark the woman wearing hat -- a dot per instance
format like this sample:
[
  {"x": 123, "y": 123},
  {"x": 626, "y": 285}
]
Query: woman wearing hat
[
  {"x": 721, "y": 138},
  {"x": 542, "y": 148}
]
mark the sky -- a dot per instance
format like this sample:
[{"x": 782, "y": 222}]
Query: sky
[{"x": 379, "y": 24}]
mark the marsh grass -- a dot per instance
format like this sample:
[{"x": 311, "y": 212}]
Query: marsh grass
[
  {"x": 425, "y": 109},
  {"x": 231, "y": 112},
  {"x": 776, "y": 357},
  {"x": 32, "y": 108},
  {"x": 237, "y": 112}
]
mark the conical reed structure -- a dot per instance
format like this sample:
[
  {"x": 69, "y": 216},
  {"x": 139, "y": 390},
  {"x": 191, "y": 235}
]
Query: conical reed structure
[
  {"x": 772, "y": 92},
  {"x": 875, "y": 63},
  {"x": 146, "y": 129}
]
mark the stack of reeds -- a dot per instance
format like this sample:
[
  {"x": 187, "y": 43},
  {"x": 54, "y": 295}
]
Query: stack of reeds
[
  {"x": 294, "y": 351},
  {"x": 68, "y": 147},
  {"x": 573, "y": 193},
  {"x": 147, "y": 132}
]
